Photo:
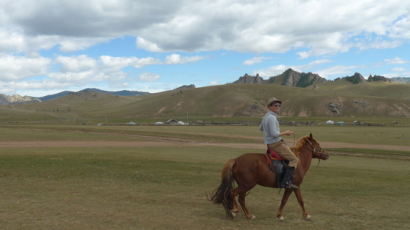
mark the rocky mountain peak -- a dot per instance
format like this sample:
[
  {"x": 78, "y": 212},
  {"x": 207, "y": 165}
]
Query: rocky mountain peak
[
  {"x": 191, "y": 86},
  {"x": 248, "y": 79},
  {"x": 356, "y": 78},
  {"x": 16, "y": 99},
  {"x": 296, "y": 79},
  {"x": 289, "y": 78},
  {"x": 378, "y": 78}
]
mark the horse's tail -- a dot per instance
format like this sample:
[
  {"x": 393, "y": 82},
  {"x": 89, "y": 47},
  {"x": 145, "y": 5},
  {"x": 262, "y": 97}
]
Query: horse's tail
[{"x": 223, "y": 194}]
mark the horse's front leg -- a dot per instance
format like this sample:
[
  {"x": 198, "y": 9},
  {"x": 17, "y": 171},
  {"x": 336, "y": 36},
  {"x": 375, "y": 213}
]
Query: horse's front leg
[
  {"x": 285, "y": 198},
  {"x": 298, "y": 195}
]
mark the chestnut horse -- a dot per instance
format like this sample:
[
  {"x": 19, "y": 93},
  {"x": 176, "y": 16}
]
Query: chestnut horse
[{"x": 251, "y": 169}]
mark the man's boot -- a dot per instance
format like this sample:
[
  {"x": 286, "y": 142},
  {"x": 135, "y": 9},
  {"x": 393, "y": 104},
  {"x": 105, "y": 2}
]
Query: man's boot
[{"x": 287, "y": 181}]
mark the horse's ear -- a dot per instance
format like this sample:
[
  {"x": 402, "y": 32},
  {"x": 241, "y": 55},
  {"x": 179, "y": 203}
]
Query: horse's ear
[{"x": 310, "y": 136}]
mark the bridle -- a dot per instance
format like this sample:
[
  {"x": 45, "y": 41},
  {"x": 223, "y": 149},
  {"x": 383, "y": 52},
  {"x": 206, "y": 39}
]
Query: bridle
[{"x": 317, "y": 152}]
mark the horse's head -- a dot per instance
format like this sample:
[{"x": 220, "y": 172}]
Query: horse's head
[{"x": 317, "y": 151}]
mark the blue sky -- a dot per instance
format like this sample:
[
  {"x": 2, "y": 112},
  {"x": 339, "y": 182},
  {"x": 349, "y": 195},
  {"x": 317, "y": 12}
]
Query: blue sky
[{"x": 160, "y": 45}]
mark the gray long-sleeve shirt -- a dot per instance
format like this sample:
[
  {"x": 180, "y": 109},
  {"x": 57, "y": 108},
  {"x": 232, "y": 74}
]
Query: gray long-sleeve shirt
[{"x": 270, "y": 128}]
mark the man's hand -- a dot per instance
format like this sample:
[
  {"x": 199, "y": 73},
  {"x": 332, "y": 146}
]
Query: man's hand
[{"x": 287, "y": 133}]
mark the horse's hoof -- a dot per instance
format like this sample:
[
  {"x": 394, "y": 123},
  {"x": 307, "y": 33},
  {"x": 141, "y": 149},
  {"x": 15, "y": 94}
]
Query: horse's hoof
[
  {"x": 308, "y": 217},
  {"x": 281, "y": 218},
  {"x": 233, "y": 213},
  {"x": 251, "y": 217}
]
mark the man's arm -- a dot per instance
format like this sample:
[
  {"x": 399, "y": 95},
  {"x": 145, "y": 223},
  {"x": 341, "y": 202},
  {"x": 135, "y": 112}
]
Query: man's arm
[{"x": 286, "y": 133}]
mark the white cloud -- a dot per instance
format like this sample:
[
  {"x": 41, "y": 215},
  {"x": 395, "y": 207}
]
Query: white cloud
[
  {"x": 304, "y": 54},
  {"x": 319, "y": 62},
  {"x": 178, "y": 59},
  {"x": 398, "y": 72},
  {"x": 121, "y": 62},
  {"x": 395, "y": 61},
  {"x": 272, "y": 71},
  {"x": 149, "y": 77},
  {"x": 20, "y": 67},
  {"x": 76, "y": 71},
  {"x": 399, "y": 69},
  {"x": 36, "y": 88},
  {"x": 401, "y": 28},
  {"x": 336, "y": 70},
  {"x": 278, "y": 69},
  {"x": 73, "y": 77},
  {"x": 254, "y": 60},
  {"x": 147, "y": 45},
  {"x": 260, "y": 26},
  {"x": 82, "y": 68},
  {"x": 180, "y": 25},
  {"x": 76, "y": 64},
  {"x": 378, "y": 44},
  {"x": 74, "y": 44}
]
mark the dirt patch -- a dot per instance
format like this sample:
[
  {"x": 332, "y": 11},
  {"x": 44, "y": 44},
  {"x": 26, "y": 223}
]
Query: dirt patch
[{"x": 165, "y": 142}]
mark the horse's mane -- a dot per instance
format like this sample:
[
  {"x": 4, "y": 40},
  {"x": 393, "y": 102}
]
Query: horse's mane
[{"x": 299, "y": 145}]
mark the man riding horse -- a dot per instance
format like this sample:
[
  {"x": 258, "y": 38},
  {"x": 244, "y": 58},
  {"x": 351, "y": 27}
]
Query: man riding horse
[{"x": 272, "y": 138}]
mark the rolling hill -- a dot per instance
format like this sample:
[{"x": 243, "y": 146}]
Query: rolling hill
[
  {"x": 329, "y": 99},
  {"x": 305, "y": 95},
  {"x": 117, "y": 93}
]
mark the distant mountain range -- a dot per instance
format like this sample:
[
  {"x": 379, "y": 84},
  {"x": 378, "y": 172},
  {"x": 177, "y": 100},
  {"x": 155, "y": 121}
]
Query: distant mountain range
[
  {"x": 296, "y": 79},
  {"x": 289, "y": 78},
  {"x": 401, "y": 79},
  {"x": 303, "y": 95},
  {"x": 117, "y": 93},
  {"x": 17, "y": 99}
]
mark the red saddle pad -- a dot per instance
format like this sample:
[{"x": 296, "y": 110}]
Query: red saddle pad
[{"x": 274, "y": 155}]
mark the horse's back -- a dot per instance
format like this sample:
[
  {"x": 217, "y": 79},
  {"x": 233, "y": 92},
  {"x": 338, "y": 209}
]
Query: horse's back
[
  {"x": 251, "y": 169},
  {"x": 250, "y": 161},
  {"x": 251, "y": 156}
]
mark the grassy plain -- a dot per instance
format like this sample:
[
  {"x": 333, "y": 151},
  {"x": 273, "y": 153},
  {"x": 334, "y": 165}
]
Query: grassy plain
[
  {"x": 164, "y": 187},
  {"x": 244, "y": 134}
]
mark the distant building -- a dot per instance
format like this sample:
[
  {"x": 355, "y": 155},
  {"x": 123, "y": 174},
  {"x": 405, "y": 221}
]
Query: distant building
[
  {"x": 180, "y": 123},
  {"x": 171, "y": 122},
  {"x": 340, "y": 123}
]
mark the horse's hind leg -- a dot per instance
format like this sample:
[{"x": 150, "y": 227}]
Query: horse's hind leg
[
  {"x": 242, "y": 194},
  {"x": 285, "y": 198},
  {"x": 235, "y": 208}
]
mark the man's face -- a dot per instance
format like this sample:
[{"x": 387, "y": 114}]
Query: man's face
[{"x": 275, "y": 107}]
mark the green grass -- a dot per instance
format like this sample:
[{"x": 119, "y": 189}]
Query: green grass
[
  {"x": 165, "y": 187},
  {"x": 375, "y": 152},
  {"x": 242, "y": 134}
]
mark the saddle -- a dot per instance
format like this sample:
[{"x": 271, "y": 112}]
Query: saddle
[{"x": 277, "y": 164}]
